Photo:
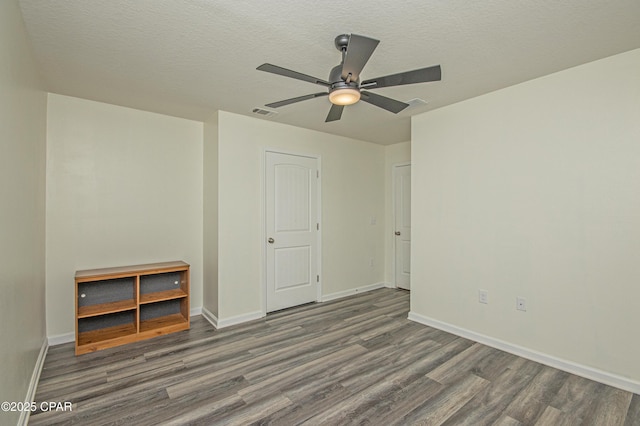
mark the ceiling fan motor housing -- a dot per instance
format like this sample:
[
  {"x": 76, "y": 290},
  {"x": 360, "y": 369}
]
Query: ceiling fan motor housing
[
  {"x": 342, "y": 41},
  {"x": 335, "y": 78}
]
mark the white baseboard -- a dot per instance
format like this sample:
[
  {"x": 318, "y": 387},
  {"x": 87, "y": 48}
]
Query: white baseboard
[
  {"x": 227, "y": 322},
  {"x": 352, "y": 291},
  {"x": 209, "y": 316},
  {"x": 239, "y": 319},
  {"x": 59, "y": 339},
  {"x": 33, "y": 383},
  {"x": 591, "y": 373},
  {"x": 195, "y": 311}
]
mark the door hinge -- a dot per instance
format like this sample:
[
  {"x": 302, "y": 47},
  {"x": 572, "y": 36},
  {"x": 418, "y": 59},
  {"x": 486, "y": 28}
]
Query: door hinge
[
  {"x": 318, "y": 226},
  {"x": 317, "y": 278},
  {"x": 317, "y": 173}
]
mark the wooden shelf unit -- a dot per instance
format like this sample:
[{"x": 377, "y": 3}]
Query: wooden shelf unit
[{"x": 125, "y": 304}]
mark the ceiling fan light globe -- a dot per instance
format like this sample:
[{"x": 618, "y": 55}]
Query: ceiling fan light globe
[{"x": 345, "y": 96}]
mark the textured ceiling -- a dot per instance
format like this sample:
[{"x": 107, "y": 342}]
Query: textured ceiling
[{"x": 189, "y": 58}]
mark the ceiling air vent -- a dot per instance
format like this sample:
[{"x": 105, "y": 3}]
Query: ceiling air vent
[
  {"x": 264, "y": 112},
  {"x": 416, "y": 102},
  {"x": 416, "y": 106}
]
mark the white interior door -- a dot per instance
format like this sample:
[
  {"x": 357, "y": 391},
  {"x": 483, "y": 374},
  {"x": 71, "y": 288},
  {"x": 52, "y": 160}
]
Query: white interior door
[
  {"x": 402, "y": 217},
  {"x": 291, "y": 230}
]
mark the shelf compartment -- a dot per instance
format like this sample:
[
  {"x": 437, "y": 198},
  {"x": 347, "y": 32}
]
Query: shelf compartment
[
  {"x": 173, "y": 322},
  {"x": 159, "y": 309},
  {"x": 106, "y": 321},
  {"x": 106, "y": 308},
  {"x": 96, "y": 337},
  {"x": 162, "y": 296},
  {"x": 165, "y": 314},
  {"x": 102, "y": 331},
  {"x": 106, "y": 291},
  {"x": 163, "y": 282}
]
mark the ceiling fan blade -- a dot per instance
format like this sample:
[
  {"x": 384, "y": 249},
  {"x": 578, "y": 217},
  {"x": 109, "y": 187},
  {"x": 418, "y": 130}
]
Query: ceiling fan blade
[
  {"x": 359, "y": 50},
  {"x": 383, "y": 102},
  {"x": 294, "y": 100},
  {"x": 334, "y": 113},
  {"x": 422, "y": 75},
  {"x": 292, "y": 74}
]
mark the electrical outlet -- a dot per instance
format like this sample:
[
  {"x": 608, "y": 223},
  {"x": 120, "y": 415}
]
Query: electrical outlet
[
  {"x": 521, "y": 304},
  {"x": 371, "y": 262},
  {"x": 483, "y": 296}
]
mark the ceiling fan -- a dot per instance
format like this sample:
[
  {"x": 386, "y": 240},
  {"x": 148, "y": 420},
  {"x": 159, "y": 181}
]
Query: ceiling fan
[{"x": 344, "y": 83}]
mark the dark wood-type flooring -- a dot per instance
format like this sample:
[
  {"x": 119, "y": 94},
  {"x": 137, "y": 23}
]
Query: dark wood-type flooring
[{"x": 356, "y": 360}]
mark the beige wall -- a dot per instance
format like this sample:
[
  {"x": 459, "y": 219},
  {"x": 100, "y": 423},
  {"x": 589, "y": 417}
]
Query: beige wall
[
  {"x": 22, "y": 214},
  {"x": 124, "y": 187},
  {"x": 210, "y": 216},
  {"x": 352, "y": 192},
  {"x": 399, "y": 153},
  {"x": 533, "y": 191}
]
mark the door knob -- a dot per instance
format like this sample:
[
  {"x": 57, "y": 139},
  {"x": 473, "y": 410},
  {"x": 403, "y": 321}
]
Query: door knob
[
  {"x": 397, "y": 232},
  {"x": 271, "y": 240}
]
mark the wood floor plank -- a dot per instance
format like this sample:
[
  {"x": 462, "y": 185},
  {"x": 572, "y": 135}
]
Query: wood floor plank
[
  {"x": 209, "y": 414},
  {"x": 66, "y": 383},
  {"x": 554, "y": 417},
  {"x": 530, "y": 404},
  {"x": 448, "y": 402},
  {"x": 489, "y": 404},
  {"x": 96, "y": 361},
  {"x": 633, "y": 415},
  {"x": 356, "y": 360},
  {"x": 397, "y": 404},
  {"x": 404, "y": 336},
  {"x": 358, "y": 373},
  {"x": 151, "y": 368},
  {"x": 304, "y": 408},
  {"x": 255, "y": 390},
  {"x": 578, "y": 398},
  {"x": 612, "y": 407},
  {"x": 505, "y": 420},
  {"x": 415, "y": 364},
  {"x": 215, "y": 407},
  {"x": 348, "y": 409},
  {"x": 460, "y": 364},
  {"x": 221, "y": 395}
]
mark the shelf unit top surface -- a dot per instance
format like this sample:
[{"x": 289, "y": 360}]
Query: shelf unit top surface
[{"x": 148, "y": 268}]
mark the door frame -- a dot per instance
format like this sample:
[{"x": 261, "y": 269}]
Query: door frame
[
  {"x": 394, "y": 172},
  {"x": 263, "y": 221}
]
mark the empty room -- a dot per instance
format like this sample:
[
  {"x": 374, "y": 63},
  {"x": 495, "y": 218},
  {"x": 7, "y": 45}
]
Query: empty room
[{"x": 218, "y": 212}]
